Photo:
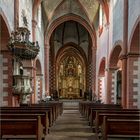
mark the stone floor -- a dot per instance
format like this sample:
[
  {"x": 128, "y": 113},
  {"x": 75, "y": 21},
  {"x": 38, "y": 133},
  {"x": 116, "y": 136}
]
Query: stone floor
[{"x": 71, "y": 126}]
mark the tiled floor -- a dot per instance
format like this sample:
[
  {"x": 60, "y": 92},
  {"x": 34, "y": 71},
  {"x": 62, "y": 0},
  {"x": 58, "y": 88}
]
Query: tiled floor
[{"x": 71, "y": 126}]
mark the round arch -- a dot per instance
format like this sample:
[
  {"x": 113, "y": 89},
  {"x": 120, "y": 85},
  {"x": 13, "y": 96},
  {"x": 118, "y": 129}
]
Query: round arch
[
  {"x": 38, "y": 67},
  {"x": 69, "y": 17},
  {"x": 133, "y": 66},
  {"x": 72, "y": 45},
  {"x": 7, "y": 97},
  {"x": 101, "y": 71},
  {"x": 64, "y": 54},
  {"x": 59, "y": 21},
  {"x": 135, "y": 34},
  {"x": 101, "y": 80},
  {"x": 6, "y": 21},
  {"x": 115, "y": 54},
  {"x": 38, "y": 81},
  {"x": 114, "y": 82}
]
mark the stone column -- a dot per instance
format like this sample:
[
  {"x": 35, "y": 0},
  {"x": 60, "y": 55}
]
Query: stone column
[
  {"x": 38, "y": 87},
  {"x": 124, "y": 53},
  {"x": 34, "y": 23},
  {"x": 133, "y": 88},
  {"x": 107, "y": 70},
  {"x": 16, "y": 14},
  {"x": 47, "y": 48},
  {"x": 93, "y": 70},
  {"x": 111, "y": 85}
]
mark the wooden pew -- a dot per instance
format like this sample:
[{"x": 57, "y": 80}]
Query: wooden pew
[
  {"x": 86, "y": 107},
  {"x": 102, "y": 106},
  {"x": 95, "y": 112},
  {"x": 57, "y": 107},
  {"x": 100, "y": 116},
  {"x": 30, "y": 110},
  {"x": 20, "y": 115},
  {"x": 52, "y": 107},
  {"x": 120, "y": 128},
  {"x": 49, "y": 107},
  {"x": 48, "y": 112},
  {"x": 21, "y": 128}
]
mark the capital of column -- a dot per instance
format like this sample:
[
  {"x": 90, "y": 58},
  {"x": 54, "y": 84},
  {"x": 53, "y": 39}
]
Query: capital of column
[
  {"x": 93, "y": 48},
  {"x": 47, "y": 46},
  {"x": 107, "y": 25},
  {"x": 34, "y": 23},
  {"x": 133, "y": 54},
  {"x": 122, "y": 56},
  {"x": 111, "y": 69},
  {"x": 39, "y": 76}
]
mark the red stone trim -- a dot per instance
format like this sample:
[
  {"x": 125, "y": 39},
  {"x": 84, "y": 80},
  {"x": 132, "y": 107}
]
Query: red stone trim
[
  {"x": 16, "y": 14},
  {"x": 58, "y": 21},
  {"x": 132, "y": 32},
  {"x": 6, "y": 21}
]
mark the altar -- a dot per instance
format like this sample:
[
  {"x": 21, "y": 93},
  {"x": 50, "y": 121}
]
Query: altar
[
  {"x": 70, "y": 79},
  {"x": 71, "y": 95}
]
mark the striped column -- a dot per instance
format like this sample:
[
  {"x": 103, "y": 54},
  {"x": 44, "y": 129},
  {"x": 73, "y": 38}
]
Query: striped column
[
  {"x": 113, "y": 83},
  {"x": 38, "y": 88},
  {"x": 136, "y": 84},
  {"x": 4, "y": 81},
  {"x": 99, "y": 88},
  {"x": 133, "y": 88}
]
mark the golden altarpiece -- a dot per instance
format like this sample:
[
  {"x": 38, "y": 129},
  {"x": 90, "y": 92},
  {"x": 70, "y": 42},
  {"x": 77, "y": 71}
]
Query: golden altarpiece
[{"x": 71, "y": 78}]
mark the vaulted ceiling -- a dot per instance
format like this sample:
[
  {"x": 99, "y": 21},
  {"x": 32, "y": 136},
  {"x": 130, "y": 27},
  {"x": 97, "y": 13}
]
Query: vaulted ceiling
[{"x": 87, "y": 9}]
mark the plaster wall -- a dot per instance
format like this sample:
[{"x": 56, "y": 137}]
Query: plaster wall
[
  {"x": 7, "y": 7},
  {"x": 133, "y": 14},
  {"x": 40, "y": 39},
  {"x": 102, "y": 43},
  {"x": 117, "y": 20},
  {"x": 26, "y": 5}
]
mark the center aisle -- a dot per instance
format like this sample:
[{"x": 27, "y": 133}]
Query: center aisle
[{"x": 71, "y": 126}]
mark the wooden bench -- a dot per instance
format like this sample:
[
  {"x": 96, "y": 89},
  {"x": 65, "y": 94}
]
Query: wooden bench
[
  {"x": 46, "y": 112},
  {"x": 56, "y": 107},
  {"x": 48, "y": 106},
  {"x": 86, "y": 107},
  {"x": 102, "y": 106},
  {"x": 21, "y": 128},
  {"x": 100, "y": 116},
  {"x": 96, "y": 111},
  {"x": 20, "y": 115},
  {"x": 120, "y": 128},
  {"x": 30, "y": 110}
]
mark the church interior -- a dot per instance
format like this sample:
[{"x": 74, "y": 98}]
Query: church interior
[{"x": 70, "y": 69}]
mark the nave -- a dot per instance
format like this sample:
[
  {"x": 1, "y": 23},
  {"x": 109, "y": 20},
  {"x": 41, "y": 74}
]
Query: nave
[
  {"x": 70, "y": 120},
  {"x": 71, "y": 126}
]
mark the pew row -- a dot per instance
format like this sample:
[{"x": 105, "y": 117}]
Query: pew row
[
  {"x": 21, "y": 129},
  {"x": 95, "y": 113},
  {"x": 120, "y": 128},
  {"x": 47, "y": 113}
]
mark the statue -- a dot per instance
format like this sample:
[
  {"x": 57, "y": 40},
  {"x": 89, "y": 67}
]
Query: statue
[{"x": 25, "y": 22}]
